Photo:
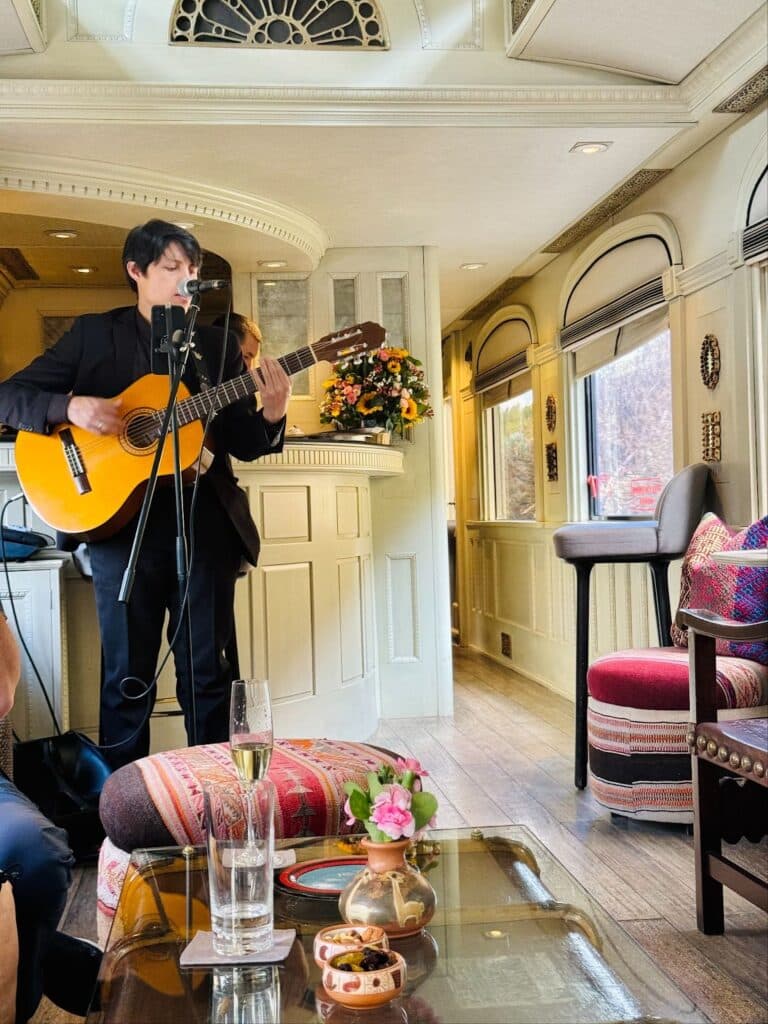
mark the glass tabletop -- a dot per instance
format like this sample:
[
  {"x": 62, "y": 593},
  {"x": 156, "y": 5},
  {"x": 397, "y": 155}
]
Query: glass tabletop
[{"x": 514, "y": 938}]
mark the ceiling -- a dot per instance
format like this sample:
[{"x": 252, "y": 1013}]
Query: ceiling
[{"x": 442, "y": 140}]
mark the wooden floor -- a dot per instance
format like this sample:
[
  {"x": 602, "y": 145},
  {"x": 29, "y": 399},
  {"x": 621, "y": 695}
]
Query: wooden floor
[{"x": 506, "y": 756}]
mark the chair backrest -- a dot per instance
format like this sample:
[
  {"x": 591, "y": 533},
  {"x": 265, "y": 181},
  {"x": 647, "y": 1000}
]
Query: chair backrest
[{"x": 680, "y": 508}]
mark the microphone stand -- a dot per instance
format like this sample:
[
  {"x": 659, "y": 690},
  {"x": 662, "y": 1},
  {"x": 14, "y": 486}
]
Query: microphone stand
[{"x": 177, "y": 346}]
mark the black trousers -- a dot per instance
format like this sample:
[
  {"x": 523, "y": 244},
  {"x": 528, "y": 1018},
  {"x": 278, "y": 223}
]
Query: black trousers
[
  {"x": 131, "y": 635},
  {"x": 36, "y": 856}
]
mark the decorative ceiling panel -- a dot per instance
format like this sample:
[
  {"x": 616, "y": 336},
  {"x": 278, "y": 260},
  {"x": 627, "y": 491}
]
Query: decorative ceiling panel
[
  {"x": 89, "y": 20},
  {"x": 279, "y": 23},
  {"x": 652, "y": 39},
  {"x": 450, "y": 24}
]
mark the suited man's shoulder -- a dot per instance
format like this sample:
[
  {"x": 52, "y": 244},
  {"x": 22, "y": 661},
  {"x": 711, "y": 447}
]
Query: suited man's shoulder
[{"x": 99, "y": 321}]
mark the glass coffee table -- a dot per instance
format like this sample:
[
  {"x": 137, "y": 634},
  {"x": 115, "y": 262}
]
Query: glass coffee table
[{"x": 514, "y": 938}]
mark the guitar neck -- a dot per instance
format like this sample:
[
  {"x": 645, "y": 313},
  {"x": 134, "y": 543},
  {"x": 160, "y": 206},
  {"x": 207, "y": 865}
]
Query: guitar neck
[{"x": 197, "y": 407}]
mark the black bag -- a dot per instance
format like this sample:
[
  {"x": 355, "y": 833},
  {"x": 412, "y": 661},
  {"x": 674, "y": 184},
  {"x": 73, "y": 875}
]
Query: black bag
[
  {"x": 64, "y": 776},
  {"x": 18, "y": 545}
]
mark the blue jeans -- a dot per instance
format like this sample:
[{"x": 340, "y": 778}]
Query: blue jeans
[{"x": 36, "y": 856}]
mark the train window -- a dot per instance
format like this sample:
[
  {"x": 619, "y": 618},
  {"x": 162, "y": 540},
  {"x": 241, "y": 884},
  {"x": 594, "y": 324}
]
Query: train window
[
  {"x": 509, "y": 429},
  {"x": 629, "y": 430}
]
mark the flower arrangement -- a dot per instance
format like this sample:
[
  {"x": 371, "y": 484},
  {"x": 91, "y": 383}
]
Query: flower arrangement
[
  {"x": 384, "y": 388},
  {"x": 395, "y": 806}
]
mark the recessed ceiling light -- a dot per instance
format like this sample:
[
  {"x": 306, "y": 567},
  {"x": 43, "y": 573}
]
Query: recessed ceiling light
[
  {"x": 269, "y": 284},
  {"x": 84, "y": 270},
  {"x": 472, "y": 266},
  {"x": 273, "y": 264},
  {"x": 61, "y": 233},
  {"x": 185, "y": 225},
  {"x": 590, "y": 148}
]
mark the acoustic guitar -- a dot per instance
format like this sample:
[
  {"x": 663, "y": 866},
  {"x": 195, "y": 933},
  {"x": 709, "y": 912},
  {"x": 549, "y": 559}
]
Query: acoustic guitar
[{"x": 91, "y": 485}]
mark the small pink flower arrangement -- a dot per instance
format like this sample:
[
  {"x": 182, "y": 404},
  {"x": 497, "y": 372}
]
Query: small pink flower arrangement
[{"x": 395, "y": 805}]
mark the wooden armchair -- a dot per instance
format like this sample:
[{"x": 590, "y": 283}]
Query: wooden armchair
[{"x": 730, "y": 773}]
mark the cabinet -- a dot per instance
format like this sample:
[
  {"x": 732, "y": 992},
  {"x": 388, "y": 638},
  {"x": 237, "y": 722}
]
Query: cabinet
[{"x": 37, "y": 589}]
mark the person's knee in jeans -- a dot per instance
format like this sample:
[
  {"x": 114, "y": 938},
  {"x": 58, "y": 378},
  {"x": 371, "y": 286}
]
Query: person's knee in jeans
[{"x": 35, "y": 855}]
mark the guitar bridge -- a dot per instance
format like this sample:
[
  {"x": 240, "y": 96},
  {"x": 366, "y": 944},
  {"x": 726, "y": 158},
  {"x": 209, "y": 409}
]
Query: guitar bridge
[{"x": 74, "y": 459}]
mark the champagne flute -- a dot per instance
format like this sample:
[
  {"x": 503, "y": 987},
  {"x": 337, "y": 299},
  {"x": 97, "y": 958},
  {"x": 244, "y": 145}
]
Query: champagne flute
[{"x": 250, "y": 729}]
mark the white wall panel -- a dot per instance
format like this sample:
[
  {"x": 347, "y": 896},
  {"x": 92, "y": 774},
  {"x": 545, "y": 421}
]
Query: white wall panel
[
  {"x": 404, "y": 641},
  {"x": 351, "y": 639},
  {"x": 285, "y": 513},
  {"x": 347, "y": 512},
  {"x": 288, "y": 630}
]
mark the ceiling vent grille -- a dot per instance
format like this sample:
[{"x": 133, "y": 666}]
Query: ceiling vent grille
[
  {"x": 626, "y": 307},
  {"x": 754, "y": 240},
  {"x": 746, "y": 98},
  {"x": 612, "y": 204},
  {"x": 302, "y": 24}
]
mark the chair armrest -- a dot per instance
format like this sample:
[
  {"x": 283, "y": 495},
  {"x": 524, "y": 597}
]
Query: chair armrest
[{"x": 722, "y": 629}]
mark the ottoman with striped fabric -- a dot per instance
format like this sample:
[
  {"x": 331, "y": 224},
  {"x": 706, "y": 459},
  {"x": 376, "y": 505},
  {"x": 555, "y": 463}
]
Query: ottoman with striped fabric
[
  {"x": 637, "y": 720},
  {"x": 158, "y": 800}
]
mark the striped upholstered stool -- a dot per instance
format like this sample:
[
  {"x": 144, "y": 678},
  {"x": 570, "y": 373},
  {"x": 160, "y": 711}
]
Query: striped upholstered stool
[
  {"x": 637, "y": 720},
  {"x": 158, "y": 800}
]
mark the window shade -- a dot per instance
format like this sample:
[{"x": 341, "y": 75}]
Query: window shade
[
  {"x": 502, "y": 354},
  {"x": 507, "y": 389},
  {"x": 619, "y": 341}
]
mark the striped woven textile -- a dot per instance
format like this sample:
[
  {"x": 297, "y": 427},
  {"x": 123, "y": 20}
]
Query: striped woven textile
[
  {"x": 637, "y": 721},
  {"x": 158, "y": 800}
]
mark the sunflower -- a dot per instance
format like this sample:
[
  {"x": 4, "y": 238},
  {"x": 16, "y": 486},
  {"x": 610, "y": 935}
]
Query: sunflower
[
  {"x": 410, "y": 410},
  {"x": 369, "y": 403},
  {"x": 393, "y": 366}
]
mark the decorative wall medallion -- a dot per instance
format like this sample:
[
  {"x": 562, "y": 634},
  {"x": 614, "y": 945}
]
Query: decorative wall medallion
[
  {"x": 550, "y": 451},
  {"x": 710, "y": 436},
  {"x": 303, "y": 23},
  {"x": 550, "y": 413},
  {"x": 710, "y": 361}
]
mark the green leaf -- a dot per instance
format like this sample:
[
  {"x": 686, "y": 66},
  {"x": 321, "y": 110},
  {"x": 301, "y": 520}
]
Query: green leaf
[
  {"x": 352, "y": 787},
  {"x": 360, "y": 805},
  {"x": 374, "y": 786},
  {"x": 376, "y": 834},
  {"x": 423, "y": 806}
]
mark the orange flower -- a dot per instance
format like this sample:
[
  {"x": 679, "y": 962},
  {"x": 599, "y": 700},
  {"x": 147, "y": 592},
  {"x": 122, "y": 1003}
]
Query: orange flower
[{"x": 393, "y": 366}]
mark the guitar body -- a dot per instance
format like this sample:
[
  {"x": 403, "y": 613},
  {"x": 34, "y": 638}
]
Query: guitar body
[
  {"x": 97, "y": 502},
  {"x": 91, "y": 485}
]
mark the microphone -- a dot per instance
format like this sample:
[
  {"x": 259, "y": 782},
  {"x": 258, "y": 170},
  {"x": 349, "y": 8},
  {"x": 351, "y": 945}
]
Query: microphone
[{"x": 190, "y": 286}]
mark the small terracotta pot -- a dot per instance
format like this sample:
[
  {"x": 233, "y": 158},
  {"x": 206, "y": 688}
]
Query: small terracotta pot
[{"x": 364, "y": 989}]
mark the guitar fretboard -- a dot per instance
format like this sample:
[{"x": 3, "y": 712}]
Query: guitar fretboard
[{"x": 197, "y": 407}]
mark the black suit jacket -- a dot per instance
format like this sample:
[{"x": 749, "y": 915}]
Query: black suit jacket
[{"x": 98, "y": 357}]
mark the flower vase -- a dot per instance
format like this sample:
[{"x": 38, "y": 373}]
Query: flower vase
[{"x": 388, "y": 892}]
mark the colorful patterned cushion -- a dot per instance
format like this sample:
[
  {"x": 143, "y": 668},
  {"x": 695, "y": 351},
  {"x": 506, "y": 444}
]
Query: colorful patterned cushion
[
  {"x": 657, "y": 678},
  {"x": 732, "y": 591},
  {"x": 158, "y": 800}
]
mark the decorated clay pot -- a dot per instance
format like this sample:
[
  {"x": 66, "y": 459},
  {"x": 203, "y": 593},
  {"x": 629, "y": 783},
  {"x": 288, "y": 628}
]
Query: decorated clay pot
[
  {"x": 365, "y": 989},
  {"x": 340, "y": 938},
  {"x": 388, "y": 892}
]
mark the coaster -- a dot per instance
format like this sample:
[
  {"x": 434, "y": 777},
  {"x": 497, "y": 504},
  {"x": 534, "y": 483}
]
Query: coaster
[{"x": 200, "y": 951}]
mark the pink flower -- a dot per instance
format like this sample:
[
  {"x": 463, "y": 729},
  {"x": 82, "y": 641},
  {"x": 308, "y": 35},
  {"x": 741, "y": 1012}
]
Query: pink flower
[
  {"x": 351, "y": 819},
  {"x": 391, "y": 812},
  {"x": 410, "y": 764}
]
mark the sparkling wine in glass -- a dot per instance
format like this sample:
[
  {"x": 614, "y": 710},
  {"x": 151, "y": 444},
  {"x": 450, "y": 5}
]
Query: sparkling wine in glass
[{"x": 250, "y": 728}]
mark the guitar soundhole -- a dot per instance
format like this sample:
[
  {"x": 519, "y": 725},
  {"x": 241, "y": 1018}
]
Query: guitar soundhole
[{"x": 141, "y": 433}]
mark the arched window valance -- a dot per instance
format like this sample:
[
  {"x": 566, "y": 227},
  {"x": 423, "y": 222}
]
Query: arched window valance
[
  {"x": 754, "y": 244},
  {"x": 502, "y": 354},
  {"x": 621, "y": 284}
]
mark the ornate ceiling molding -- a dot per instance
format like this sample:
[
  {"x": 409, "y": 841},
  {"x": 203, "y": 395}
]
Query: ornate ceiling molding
[
  {"x": 739, "y": 57},
  {"x": 85, "y": 179},
  {"x": 747, "y": 97},
  {"x": 32, "y": 100}
]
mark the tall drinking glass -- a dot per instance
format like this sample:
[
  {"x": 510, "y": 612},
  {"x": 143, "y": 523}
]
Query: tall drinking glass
[
  {"x": 250, "y": 728},
  {"x": 245, "y": 995},
  {"x": 240, "y": 828}
]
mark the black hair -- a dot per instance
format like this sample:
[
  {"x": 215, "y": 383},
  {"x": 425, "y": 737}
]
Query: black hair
[
  {"x": 237, "y": 325},
  {"x": 146, "y": 243}
]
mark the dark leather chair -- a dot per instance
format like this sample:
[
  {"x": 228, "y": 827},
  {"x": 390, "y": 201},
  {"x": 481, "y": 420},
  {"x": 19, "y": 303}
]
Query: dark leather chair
[
  {"x": 724, "y": 753},
  {"x": 656, "y": 542}
]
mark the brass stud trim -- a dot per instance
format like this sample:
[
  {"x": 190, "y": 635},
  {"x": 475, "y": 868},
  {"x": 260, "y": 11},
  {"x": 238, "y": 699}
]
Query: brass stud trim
[
  {"x": 711, "y": 748},
  {"x": 734, "y": 760},
  {"x": 758, "y": 768},
  {"x": 690, "y": 739},
  {"x": 746, "y": 763},
  {"x": 701, "y": 742},
  {"x": 722, "y": 753}
]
